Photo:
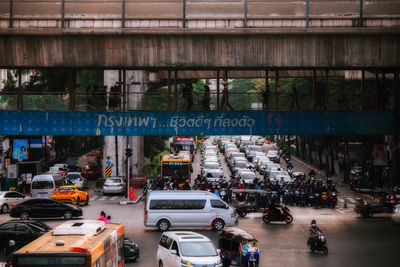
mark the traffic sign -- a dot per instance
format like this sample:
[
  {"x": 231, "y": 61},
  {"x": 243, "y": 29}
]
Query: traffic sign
[
  {"x": 108, "y": 163},
  {"x": 108, "y": 171}
]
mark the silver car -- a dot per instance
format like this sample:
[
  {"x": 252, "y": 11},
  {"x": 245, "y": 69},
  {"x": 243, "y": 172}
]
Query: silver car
[
  {"x": 77, "y": 179},
  {"x": 114, "y": 185},
  {"x": 10, "y": 198}
]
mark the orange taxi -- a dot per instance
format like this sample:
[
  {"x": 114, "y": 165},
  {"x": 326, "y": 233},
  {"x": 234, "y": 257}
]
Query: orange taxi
[{"x": 71, "y": 194}]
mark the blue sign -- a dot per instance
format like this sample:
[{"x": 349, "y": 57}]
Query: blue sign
[
  {"x": 108, "y": 163},
  {"x": 193, "y": 123},
  {"x": 20, "y": 149}
]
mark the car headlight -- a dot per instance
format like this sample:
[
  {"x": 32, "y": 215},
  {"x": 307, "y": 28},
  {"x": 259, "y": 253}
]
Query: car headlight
[
  {"x": 186, "y": 263},
  {"x": 218, "y": 263}
]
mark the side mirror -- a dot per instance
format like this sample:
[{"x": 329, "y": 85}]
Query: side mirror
[
  {"x": 174, "y": 252},
  {"x": 218, "y": 250}
]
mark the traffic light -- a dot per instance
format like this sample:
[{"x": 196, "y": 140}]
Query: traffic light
[{"x": 128, "y": 152}]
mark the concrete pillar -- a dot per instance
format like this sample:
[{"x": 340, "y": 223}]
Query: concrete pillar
[{"x": 136, "y": 82}]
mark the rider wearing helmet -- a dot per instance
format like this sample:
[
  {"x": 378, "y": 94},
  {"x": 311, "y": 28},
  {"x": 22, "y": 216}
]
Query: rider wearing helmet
[{"x": 314, "y": 231}]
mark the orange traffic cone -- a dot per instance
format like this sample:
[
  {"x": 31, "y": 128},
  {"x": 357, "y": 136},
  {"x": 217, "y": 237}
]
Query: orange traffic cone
[{"x": 131, "y": 194}]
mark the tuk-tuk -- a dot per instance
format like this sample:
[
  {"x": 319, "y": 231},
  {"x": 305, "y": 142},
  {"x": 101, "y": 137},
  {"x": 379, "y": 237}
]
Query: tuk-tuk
[
  {"x": 238, "y": 248},
  {"x": 249, "y": 200}
]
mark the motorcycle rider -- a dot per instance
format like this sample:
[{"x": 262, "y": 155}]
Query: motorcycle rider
[{"x": 314, "y": 231}]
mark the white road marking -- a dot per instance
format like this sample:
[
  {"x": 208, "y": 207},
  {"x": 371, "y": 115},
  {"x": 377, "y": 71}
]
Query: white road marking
[
  {"x": 340, "y": 211},
  {"x": 351, "y": 200},
  {"x": 93, "y": 198},
  {"x": 102, "y": 198},
  {"x": 341, "y": 199},
  {"x": 114, "y": 197}
]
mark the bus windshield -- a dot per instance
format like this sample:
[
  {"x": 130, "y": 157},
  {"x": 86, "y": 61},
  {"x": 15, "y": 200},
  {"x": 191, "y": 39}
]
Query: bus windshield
[{"x": 178, "y": 170}]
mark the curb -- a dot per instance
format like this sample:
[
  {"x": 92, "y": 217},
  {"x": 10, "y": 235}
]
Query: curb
[{"x": 129, "y": 202}]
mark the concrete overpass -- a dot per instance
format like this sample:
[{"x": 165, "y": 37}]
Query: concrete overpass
[{"x": 199, "y": 36}]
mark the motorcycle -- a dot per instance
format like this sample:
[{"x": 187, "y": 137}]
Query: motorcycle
[
  {"x": 317, "y": 200},
  {"x": 310, "y": 200},
  {"x": 269, "y": 216},
  {"x": 290, "y": 171},
  {"x": 319, "y": 245},
  {"x": 286, "y": 197},
  {"x": 332, "y": 202},
  {"x": 303, "y": 198},
  {"x": 324, "y": 199},
  {"x": 292, "y": 197}
]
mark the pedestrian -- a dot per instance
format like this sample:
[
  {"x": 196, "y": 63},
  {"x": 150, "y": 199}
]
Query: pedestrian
[
  {"x": 108, "y": 219},
  {"x": 265, "y": 97},
  {"x": 89, "y": 96},
  {"x": 205, "y": 102},
  {"x": 19, "y": 184},
  {"x": 23, "y": 177},
  {"x": 187, "y": 94},
  {"x": 295, "y": 98},
  {"x": 102, "y": 217},
  {"x": 225, "y": 97}
]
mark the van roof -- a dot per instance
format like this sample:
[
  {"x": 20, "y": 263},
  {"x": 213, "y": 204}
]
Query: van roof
[{"x": 181, "y": 193}]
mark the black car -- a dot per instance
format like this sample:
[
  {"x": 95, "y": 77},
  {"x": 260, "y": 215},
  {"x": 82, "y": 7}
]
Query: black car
[
  {"x": 44, "y": 208},
  {"x": 22, "y": 232},
  {"x": 131, "y": 250}
]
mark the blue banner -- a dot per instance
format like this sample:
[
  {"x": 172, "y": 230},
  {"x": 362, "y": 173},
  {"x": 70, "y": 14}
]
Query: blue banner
[{"x": 193, "y": 123}]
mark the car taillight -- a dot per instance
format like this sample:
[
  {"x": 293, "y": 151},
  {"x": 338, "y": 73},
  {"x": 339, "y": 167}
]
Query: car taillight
[
  {"x": 146, "y": 215},
  {"x": 54, "y": 191},
  {"x": 80, "y": 179},
  {"x": 13, "y": 207},
  {"x": 120, "y": 185},
  {"x": 106, "y": 185},
  {"x": 30, "y": 192}
]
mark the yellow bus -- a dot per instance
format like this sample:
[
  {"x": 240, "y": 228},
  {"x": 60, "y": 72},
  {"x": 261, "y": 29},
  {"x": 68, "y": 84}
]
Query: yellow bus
[
  {"x": 177, "y": 168},
  {"x": 81, "y": 243}
]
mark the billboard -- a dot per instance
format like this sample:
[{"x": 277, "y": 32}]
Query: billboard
[{"x": 20, "y": 149}]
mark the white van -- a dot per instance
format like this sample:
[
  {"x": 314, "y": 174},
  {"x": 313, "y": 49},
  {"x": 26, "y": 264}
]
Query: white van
[
  {"x": 43, "y": 185},
  {"x": 164, "y": 209},
  {"x": 187, "y": 249}
]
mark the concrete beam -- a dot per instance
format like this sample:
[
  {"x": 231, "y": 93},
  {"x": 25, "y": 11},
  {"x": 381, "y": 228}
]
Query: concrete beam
[{"x": 194, "y": 49}]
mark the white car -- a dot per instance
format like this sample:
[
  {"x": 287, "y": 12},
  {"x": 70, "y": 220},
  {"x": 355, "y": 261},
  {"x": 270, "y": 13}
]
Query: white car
[
  {"x": 77, "y": 179},
  {"x": 114, "y": 185},
  {"x": 10, "y": 198},
  {"x": 396, "y": 214},
  {"x": 184, "y": 249}
]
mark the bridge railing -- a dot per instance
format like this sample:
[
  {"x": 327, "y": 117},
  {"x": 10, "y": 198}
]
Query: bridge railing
[
  {"x": 63, "y": 101},
  {"x": 100, "y": 14}
]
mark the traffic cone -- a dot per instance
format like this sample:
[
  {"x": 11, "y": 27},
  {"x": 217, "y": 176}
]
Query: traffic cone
[{"x": 131, "y": 194}]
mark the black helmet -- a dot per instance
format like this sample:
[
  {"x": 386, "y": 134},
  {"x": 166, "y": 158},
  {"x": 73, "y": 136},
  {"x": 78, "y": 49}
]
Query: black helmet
[{"x": 313, "y": 222}]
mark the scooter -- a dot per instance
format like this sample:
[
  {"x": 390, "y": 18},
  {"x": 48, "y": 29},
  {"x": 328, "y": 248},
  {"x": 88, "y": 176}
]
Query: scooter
[
  {"x": 319, "y": 245},
  {"x": 317, "y": 200},
  {"x": 284, "y": 216},
  {"x": 332, "y": 202},
  {"x": 324, "y": 199}
]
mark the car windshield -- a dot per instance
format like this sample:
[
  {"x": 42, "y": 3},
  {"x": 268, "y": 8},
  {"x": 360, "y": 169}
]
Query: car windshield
[
  {"x": 247, "y": 175},
  {"x": 249, "y": 247},
  {"x": 240, "y": 164},
  {"x": 113, "y": 180},
  {"x": 42, "y": 183},
  {"x": 73, "y": 176},
  {"x": 272, "y": 153},
  {"x": 65, "y": 189},
  {"x": 211, "y": 165},
  {"x": 198, "y": 249},
  {"x": 214, "y": 174}
]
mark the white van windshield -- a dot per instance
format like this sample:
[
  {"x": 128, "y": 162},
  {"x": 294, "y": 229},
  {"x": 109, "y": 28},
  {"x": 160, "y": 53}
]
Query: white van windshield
[
  {"x": 42, "y": 183},
  {"x": 198, "y": 249}
]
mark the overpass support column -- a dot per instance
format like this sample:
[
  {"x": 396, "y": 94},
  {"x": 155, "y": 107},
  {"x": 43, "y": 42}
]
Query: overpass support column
[{"x": 135, "y": 82}]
